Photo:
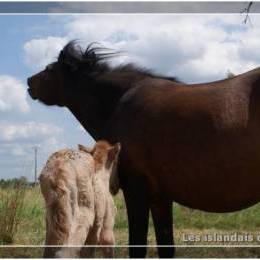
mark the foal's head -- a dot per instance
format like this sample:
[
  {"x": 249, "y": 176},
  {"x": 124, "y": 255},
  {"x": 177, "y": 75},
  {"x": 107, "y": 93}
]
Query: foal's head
[{"x": 105, "y": 157}]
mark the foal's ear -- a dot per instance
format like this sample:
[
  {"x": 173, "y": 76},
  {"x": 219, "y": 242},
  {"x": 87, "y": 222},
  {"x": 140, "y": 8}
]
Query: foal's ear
[
  {"x": 85, "y": 149},
  {"x": 113, "y": 152}
]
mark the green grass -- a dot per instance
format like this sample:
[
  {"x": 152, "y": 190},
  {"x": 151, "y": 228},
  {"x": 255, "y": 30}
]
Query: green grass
[
  {"x": 11, "y": 209},
  {"x": 31, "y": 229}
]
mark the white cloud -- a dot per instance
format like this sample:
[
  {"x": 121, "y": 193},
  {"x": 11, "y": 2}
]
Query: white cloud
[
  {"x": 18, "y": 157},
  {"x": 194, "y": 47},
  {"x": 40, "y": 52},
  {"x": 12, "y": 149},
  {"x": 18, "y": 150},
  {"x": 18, "y": 142},
  {"x": 12, "y": 95},
  {"x": 50, "y": 145},
  {"x": 28, "y": 130}
]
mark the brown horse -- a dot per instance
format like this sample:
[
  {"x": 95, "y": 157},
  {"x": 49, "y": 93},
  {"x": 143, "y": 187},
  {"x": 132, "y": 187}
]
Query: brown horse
[{"x": 198, "y": 145}]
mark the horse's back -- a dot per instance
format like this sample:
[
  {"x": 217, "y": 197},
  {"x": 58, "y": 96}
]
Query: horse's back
[{"x": 194, "y": 144}]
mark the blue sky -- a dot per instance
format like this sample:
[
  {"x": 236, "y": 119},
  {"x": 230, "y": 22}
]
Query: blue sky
[
  {"x": 195, "y": 48},
  {"x": 15, "y": 32}
]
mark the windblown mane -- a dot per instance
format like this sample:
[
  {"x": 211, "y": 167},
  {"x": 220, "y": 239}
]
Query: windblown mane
[{"x": 92, "y": 61}]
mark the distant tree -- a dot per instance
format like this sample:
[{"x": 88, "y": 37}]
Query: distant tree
[
  {"x": 14, "y": 182},
  {"x": 23, "y": 179}
]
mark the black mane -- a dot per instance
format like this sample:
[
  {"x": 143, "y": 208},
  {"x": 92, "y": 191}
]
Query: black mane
[
  {"x": 92, "y": 61},
  {"x": 89, "y": 60}
]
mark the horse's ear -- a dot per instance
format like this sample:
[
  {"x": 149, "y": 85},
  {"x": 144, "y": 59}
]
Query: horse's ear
[
  {"x": 66, "y": 58},
  {"x": 85, "y": 149},
  {"x": 62, "y": 58}
]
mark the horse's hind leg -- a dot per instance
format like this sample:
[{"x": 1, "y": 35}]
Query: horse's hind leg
[
  {"x": 138, "y": 215},
  {"x": 162, "y": 219}
]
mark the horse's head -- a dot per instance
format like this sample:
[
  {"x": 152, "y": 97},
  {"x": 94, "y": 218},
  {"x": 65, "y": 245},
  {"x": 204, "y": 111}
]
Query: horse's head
[
  {"x": 57, "y": 83},
  {"x": 48, "y": 86}
]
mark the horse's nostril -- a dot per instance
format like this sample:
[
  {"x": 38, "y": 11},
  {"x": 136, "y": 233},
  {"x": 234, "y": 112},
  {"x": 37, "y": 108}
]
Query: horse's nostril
[
  {"x": 31, "y": 89},
  {"x": 29, "y": 81}
]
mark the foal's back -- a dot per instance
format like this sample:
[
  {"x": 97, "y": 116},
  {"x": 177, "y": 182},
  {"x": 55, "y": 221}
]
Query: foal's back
[{"x": 66, "y": 184}]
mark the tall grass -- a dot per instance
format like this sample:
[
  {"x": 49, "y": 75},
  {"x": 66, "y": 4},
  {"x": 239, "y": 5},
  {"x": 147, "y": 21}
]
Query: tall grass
[
  {"x": 30, "y": 227},
  {"x": 11, "y": 208}
]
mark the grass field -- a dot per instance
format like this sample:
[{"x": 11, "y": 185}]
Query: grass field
[{"x": 187, "y": 223}]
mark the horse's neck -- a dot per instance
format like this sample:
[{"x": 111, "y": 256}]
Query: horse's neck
[
  {"x": 94, "y": 118},
  {"x": 93, "y": 127}
]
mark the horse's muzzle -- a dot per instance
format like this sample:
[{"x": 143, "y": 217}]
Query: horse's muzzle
[
  {"x": 31, "y": 90},
  {"x": 32, "y": 93}
]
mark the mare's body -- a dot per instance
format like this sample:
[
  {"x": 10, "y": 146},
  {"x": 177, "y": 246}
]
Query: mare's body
[{"x": 198, "y": 145}]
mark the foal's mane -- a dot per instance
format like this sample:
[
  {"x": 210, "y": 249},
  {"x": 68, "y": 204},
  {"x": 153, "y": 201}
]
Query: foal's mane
[{"x": 93, "y": 61}]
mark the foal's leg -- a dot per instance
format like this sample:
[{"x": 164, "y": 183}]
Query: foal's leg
[
  {"x": 162, "y": 219},
  {"x": 138, "y": 215},
  {"x": 92, "y": 239},
  {"x": 107, "y": 239}
]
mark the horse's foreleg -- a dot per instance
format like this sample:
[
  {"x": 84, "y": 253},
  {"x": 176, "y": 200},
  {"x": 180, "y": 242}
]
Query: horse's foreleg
[
  {"x": 138, "y": 215},
  {"x": 162, "y": 219}
]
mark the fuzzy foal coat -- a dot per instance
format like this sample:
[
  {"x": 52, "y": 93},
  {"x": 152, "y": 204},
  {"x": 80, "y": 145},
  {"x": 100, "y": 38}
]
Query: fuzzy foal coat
[{"x": 79, "y": 206}]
